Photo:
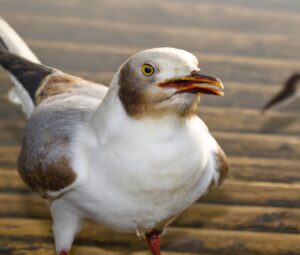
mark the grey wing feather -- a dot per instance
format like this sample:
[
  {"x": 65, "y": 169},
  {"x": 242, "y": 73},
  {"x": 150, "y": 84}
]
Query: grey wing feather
[{"x": 44, "y": 162}]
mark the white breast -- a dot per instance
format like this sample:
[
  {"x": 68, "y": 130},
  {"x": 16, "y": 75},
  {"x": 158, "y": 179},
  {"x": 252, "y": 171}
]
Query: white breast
[{"x": 143, "y": 173}]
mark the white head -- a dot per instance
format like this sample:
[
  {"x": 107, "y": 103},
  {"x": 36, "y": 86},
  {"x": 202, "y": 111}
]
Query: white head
[{"x": 162, "y": 81}]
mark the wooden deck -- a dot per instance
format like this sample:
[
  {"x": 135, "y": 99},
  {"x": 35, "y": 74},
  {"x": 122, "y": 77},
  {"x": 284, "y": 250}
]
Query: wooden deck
[{"x": 253, "y": 46}]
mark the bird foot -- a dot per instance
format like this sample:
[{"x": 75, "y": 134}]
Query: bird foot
[
  {"x": 63, "y": 253},
  {"x": 153, "y": 239}
]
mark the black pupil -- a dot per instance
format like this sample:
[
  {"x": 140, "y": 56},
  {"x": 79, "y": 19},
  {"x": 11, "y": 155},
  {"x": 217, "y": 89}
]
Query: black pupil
[{"x": 148, "y": 70}]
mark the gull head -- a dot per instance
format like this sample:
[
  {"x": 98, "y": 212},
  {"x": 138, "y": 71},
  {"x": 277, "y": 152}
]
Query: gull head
[{"x": 163, "y": 81}]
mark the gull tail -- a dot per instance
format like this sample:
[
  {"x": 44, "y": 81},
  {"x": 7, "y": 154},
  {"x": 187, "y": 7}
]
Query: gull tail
[
  {"x": 27, "y": 75},
  {"x": 12, "y": 42}
]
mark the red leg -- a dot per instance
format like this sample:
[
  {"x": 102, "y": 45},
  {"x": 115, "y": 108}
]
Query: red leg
[
  {"x": 153, "y": 239},
  {"x": 63, "y": 253}
]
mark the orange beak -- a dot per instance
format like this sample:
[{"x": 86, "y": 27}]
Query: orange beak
[{"x": 195, "y": 83}]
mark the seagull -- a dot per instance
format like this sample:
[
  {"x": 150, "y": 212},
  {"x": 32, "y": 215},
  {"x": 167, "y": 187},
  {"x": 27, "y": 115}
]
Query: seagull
[
  {"x": 131, "y": 157},
  {"x": 289, "y": 92}
]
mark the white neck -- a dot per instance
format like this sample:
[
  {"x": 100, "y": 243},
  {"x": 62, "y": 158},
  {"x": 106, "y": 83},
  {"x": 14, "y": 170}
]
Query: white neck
[{"x": 112, "y": 117}]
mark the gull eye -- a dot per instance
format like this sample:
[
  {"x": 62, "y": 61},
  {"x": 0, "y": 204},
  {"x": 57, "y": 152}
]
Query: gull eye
[{"x": 147, "y": 69}]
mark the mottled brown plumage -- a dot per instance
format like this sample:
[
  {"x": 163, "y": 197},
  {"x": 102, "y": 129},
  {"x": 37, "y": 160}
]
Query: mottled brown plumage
[
  {"x": 222, "y": 166},
  {"x": 42, "y": 177},
  {"x": 56, "y": 84}
]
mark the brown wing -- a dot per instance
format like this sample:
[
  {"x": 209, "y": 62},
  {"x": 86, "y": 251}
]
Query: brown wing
[
  {"x": 43, "y": 175},
  {"x": 222, "y": 165},
  {"x": 55, "y": 84}
]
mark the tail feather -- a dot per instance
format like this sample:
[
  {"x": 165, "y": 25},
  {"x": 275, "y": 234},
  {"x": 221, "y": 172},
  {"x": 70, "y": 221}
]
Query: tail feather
[
  {"x": 12, "y": 42},
  {"x": 29, "y": 74}
]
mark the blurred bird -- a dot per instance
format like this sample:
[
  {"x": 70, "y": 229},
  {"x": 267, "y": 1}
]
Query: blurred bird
[
  {"x": 131, "y": 157},
  {"x": 290, "y": 92}
]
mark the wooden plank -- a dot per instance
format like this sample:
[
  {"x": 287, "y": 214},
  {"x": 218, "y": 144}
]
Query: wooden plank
[
  {"x": 246, "y": 218},
  {"x": 256, "y": 193},
  {"x": 231, "y": 242},
  {"x": 264, "y": 170},
  {"x": 259, "y": 146},
  {"x": 11, "y": 181},
  {"x": 127, "y": 51},
  {"x": 29, "y": 205},
  {"x": 76, "y": 29},
  {"x": 204, "y": 215},
  {"x": 232, "y": 119},
  {"x": 179, "y": 240},
  {"x": 286, "y": 6},
  {"x": 231, "y": 192},
  {"x": 194, "y": 14},
  {"x": 40, "y": 247},
  {"x": 266, "y": 5},
  {"x": 8, "y": 155}
]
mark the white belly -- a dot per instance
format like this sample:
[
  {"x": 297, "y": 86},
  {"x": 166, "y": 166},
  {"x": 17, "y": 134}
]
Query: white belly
[{"x": 137, "y": 187}]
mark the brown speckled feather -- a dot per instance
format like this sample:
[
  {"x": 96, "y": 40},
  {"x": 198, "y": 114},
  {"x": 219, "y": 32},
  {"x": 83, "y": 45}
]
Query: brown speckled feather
[
  {"x": 56, "y": 84},
  {"x": 222, "y": 165}
]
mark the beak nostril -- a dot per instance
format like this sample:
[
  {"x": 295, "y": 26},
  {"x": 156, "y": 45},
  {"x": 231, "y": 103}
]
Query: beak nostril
[{"x": 194, "y": 73}]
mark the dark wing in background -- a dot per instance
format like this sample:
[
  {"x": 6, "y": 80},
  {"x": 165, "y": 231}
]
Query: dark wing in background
[{"x": 287, "y": 92}]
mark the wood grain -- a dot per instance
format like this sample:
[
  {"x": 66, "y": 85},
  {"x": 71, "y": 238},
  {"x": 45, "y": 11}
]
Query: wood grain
[
  {"x": 41, "y": 248},
  {"x": 264, "y": 170},
  {"x": 135, "y": 34},
  {"x": 179, "y": 239},
  {"x": 256, "y": 193},
  {"x": 201, "y": 215},
  {"x": 259, "y": 146},
  {"x": 61, "y": 54},
  {"x": 194, "y": 14}
]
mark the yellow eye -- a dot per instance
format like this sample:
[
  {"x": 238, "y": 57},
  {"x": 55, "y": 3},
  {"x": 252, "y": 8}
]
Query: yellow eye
[{"x": 147, "y": 69}]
